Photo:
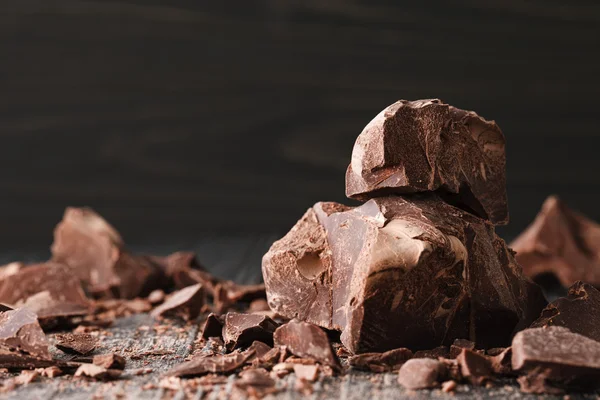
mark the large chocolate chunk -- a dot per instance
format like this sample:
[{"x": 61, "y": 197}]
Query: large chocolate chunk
[
  {"x": 95, "y": 252},
  {"x": 20, "y": 332},
  {"x": 400, "y": 272},
  {"x": 558, "y": 356},
  {"x": 426, "y": 146},
  {"x": 579, "y": 311},
  {"x": 562, "y": 242},
  {"x": 306, "y": 340},
  {"x": 241, "y": 329}
]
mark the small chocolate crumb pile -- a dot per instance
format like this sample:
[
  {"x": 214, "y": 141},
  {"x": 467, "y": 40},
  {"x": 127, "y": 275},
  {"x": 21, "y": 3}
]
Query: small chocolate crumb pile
[{"x": 413, "y": 282}]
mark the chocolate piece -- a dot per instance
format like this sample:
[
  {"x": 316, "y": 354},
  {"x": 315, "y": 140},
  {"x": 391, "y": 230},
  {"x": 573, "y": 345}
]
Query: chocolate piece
[
  {"x": 579, "y": 311},
  {"x": 213, "y": 327},
  {"x": 52, "y": 372},
  {"x": 562, "y": 242},
  {"x": 96, "y": 372},
  {"x": 240, "y": 330},
  {"x": 76, "y": 343},
  {"x": 368, "y": 270},
  {"x": 109, "y": 361},
  {"x": 381, "y": 362},
  {"x": 156, "y": 297},
  {"x": 95, "y": 252},
  {"x": 536, "y": 381},
  {"x": 474, "y": 367},
  {"x": 500, "y": 362},
  {"x": 308, "y": 341},
  {"x": 186, "y": 303},
  {"x": 421, "y": 373},
  {"x": 449, "y": 386},
  {"x": 457, "y": 347},
  {"x": 308, "y": 372},
  {"x": 217, "y": 364},
  {"x": 21, "y": 333},
  {"x": 260, "y": 350},
  {"x": 438, "y": 352},
  {"x": 561, "y": 356},
  {"x": 426, "y": 146},
  {"x": 256, "y": 381}
]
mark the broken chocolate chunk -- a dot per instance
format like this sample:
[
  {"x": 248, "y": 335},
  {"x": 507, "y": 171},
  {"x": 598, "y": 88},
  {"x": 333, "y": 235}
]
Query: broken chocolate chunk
[
  {"x": 98, "y": 373},
  {"x": 76, "y": 343},
  {"x": 95, "y": 253},
  {"x": 109, "y": 361},
  {"x": 213, "y": 327},
  {"x": 438, "y": 352},
  {"x": 562, "y": 242},
  {"x": 421, "y": 373},
  {"x": 474, "y": 367},
  {"x": 381, "y": 362},
  {"x": 457, "y": 347},
  {"x": 307, "y": 372},
  {"x": 368, "y": 270},
  {"x": 240, "y": 329},
  {"x": 308, "y": 341},
  {"x": 579, "y": 311},
  {"x": 563, "y": 357},
  {"x": 20, "y": 332},
  {"x": 500, "y": 361},
  {"x": 427, "y": 146},
  {"x": 217, "y": 364},
  {"x": 186, "y": 303}
]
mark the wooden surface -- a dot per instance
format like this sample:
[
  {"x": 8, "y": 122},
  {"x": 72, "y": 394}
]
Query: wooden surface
[{"x": 180, "y": 118}]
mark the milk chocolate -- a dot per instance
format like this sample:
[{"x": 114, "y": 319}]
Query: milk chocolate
[
  {"x": 560, "y": 242},
  {"x": 421, "y": 373},
  {"x": 381, "y": 362},
  {"x": 97, "y": 372},
  {"x": 474, "y": 367},
  {"x": 241, "y": 329},
  {"x": 306, "y": 340},
  {"x": 427, "y": 146},
  {"x": 109, "y": 361},
  {"x": 186, "y": 303},
  {"x": 559, "y": 356},
  {"x": 367, "y": 271},
  {"x": 579, "y": 311},
  {"x": 96, "y": 254}
]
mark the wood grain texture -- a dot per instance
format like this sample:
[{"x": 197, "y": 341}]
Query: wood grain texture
[{"x": 180, "y": 118}]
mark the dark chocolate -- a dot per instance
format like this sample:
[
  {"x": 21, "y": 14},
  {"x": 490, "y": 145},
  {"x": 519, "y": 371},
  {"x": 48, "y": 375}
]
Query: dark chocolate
[
  {"x": 216, "y": 364},
  {"x": 561, "y": 242},
  {"x": 20, "y": 332},
  {"x": 367, "y": 271},
  {"x": 307, "y": 341},
  {"x": 421, "y": 373},
  {"x": 474, "y": 367},
  {"x": 241, "y": 329},
  {"x": 76, "y": 343},
  {"x": 213, "y": 326},
  {"x": 389, "y": 361},
  {"x": 186, "y": 303},
  {"x": 427, "y": 146},
  {"x": 579, "y": 311}
]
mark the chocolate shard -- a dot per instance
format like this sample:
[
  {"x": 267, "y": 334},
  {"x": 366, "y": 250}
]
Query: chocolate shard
[
  {"x": 21, "y": 333},
  {"x": 186, "y": 303},
  {"x": 368, "y": 270},
  {"x": 98, "y": 373},
  {"x": 421, "y": 373},
  {"x": 563, "y": 358},
  {"x": 438, "y": 352},
  {"x": 307, "y": 372},
  {"x": 427, "y": 146},
  {"x": 474, "y": 367},
  {"x": 213, "y": 326},
  {"x": 241, "y": 329},
  {"x": 216, "y": 364},
  {"x": 579, "y": 311},
  {"x": 307, "y": 341},
  {"x": 457, "y": 347},
  {"x": 500, "y": 361},
  {"x": 561, "y": 242},
  {"x": 109, "y": 361},
  {"x": 76, "y": 343},
  {"x": 95, "y": 252},
  {"x": 381, "y": 362}
]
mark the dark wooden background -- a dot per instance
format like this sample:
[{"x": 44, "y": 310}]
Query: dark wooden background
[{"x": 183, "y": 119}]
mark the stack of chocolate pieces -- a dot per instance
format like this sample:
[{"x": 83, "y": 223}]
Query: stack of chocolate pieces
[{"x": 419, "y": 264}]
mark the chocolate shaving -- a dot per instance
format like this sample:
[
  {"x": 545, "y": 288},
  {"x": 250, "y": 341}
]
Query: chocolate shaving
[{"x": 381, "y": 362}]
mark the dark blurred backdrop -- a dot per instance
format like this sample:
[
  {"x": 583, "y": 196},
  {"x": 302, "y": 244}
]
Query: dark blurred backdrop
[{"x": 184, "y": 119}]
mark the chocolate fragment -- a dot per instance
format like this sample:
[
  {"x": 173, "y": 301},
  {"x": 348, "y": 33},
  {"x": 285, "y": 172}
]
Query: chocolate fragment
[
  {"x": 579, "y": 311},
  {"x": 307, "y": 372},
  {"x": 256, "y": 381},
  {"x": 457, "y": 347},
  {"x": 421, "y": 373},
  {"x": 559, "y": 356},
  {"x": 474, "y": 367},
  {"x": 52, "y": 372},
  {"x": 156, "y": 297},
  {"x": 220, "y": 363},
  {"x": 109, "y": 361},
  {"x": 368, "y": 270},
  {"x": 213, "y": 326},
  {"x": 260, "y": 350},
  {"x": 449, "y": 386},
  {"x": 96, "y": 254},
  {"x": 308, "y": 341},
  {"x": 76, "y": 343},
  {"x": 241, "y": 329},
  {"x": 438, "y": 352},
  {"x": 562, "y": 242},
  {"x": 536, "y": 381},
  {"x": 186, "y": 303},
  {"x": 381, "y": 362},
  {"x": 98, "y": 373},
  {"x": 500, "y": 361},
  {"x": 20, "y": 333},
  {"x": 427, "y": 146}
]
